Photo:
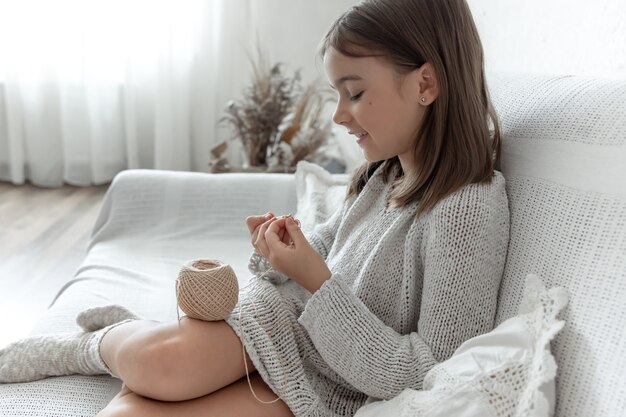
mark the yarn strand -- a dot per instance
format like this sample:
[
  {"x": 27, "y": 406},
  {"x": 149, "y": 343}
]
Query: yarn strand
[
  {"x": 208, "y": 290},
  {"x": 243, "y": 346}
]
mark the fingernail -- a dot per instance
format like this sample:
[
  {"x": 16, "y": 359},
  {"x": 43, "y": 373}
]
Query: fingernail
[{"x": 267, "y": 216}]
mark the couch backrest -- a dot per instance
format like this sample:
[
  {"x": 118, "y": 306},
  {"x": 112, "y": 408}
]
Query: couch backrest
[{"x": 564, "y": 159}]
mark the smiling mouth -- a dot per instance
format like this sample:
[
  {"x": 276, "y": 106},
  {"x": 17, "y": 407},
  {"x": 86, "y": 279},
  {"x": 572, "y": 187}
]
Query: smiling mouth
[{"x": 359, "y": 135}]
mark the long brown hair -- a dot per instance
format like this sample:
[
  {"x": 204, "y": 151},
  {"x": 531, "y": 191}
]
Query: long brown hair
[{"x": 454, "y": 146}]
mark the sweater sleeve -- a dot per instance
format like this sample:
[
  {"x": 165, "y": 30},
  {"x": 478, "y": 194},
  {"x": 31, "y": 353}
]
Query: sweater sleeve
[
  {"x": 323, "y": 235},
  {"x": 463, "y": 251}
]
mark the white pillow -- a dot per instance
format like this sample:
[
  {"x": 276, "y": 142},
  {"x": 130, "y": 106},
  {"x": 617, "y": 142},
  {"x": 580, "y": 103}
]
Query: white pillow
[
  {"x": 351, "y": 153},
  {"x": 506, "y": 372},
  {"x": 319, "y": 194}
]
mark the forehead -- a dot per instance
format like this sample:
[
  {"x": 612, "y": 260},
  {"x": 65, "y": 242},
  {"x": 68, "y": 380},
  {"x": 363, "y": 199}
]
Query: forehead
[{"x": 340, "y": 67}]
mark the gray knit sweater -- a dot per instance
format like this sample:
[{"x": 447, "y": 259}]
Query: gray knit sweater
[{"x": 405, "y": 292}]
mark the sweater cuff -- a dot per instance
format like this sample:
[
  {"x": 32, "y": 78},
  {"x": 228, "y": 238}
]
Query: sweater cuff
[{"x": 323, "y": 303}]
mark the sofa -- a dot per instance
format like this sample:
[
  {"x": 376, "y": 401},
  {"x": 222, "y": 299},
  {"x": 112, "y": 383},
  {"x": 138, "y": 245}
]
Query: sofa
[{"x": 564, "y": 160}]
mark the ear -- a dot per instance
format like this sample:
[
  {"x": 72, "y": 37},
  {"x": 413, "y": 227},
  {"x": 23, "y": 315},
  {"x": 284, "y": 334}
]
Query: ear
[{"x": 428, "y": 84}]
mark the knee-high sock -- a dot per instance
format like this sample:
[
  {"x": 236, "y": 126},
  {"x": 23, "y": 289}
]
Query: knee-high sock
[{"x": 38, "y": 357}]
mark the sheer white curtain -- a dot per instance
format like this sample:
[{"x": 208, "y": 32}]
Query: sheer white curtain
[{"x": 90, "y": 87}]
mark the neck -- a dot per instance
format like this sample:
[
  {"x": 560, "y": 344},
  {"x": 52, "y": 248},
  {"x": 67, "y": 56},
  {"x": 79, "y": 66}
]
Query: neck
[{"x": 407, "y": 164}]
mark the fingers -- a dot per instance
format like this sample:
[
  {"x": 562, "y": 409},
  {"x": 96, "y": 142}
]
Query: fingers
[
  {"x": 293, "y": 228},
  {"x": 255, "y": 221},
  {"x": 280, "y": 234},
  {"x": 269, "y": 227},
  {"x": 273, "y": 233},
  {"x": 254, "y": 224},
  {"x": 258, "y": 239},
  {"x": 283, "y": 235}
]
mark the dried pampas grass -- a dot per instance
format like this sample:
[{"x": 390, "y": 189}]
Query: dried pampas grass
[{"x": 277, "y": 121}]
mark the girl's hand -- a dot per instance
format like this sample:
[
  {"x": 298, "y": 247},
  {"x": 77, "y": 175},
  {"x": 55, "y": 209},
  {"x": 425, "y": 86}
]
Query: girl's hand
[
  {"x": 257, "y": 225},
  {"x": 289, "y": 252}
]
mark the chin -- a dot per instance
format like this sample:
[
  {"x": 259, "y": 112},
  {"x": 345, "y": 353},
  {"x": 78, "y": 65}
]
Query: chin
[{"x": 374, "y": 158}]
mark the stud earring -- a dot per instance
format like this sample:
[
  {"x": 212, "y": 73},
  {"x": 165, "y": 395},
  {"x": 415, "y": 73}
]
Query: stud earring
[{"x": 423, "y": 99}]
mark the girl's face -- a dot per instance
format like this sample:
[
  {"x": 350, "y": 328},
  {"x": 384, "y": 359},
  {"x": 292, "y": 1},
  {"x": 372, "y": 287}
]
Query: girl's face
[{"x": 379, "y": 107}]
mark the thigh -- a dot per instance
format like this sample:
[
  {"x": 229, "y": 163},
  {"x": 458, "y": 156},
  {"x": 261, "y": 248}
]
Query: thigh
[
  {"x": 179, "y": 361},
  {"x": 232, "y": 400}
]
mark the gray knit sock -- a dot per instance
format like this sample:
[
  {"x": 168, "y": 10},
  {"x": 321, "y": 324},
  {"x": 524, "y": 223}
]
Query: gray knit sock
[
  {"x": 39, "y": 357},
  {"x": 97, "y": 318}
]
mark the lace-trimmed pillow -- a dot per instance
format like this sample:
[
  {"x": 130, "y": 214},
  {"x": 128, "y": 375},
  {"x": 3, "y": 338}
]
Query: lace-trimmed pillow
[
  {"x": 508, "y": 372},
  {"x": 319, "y": 194}
]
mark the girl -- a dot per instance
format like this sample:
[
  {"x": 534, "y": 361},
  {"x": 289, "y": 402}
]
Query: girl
[{"x": 368, "y": 302}]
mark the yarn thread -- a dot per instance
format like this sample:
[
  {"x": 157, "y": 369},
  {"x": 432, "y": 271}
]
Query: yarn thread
[
  {"x": 207, "y": 289},
  {"x": 243, "y": 332},
  {"x": 243, "y": 347}
]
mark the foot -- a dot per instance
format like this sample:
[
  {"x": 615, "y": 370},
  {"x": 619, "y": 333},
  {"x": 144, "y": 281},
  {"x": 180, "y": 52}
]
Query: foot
[
  {"x": 39, "y": 357},
  {"x": 54, "y": 355},
  {"x": 97, "y": 318}
]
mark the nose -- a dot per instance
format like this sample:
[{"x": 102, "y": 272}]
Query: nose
[{"x": 341, "y": 116}]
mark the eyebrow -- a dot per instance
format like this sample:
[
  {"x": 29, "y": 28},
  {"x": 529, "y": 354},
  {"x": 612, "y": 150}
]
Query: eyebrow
[{"x": 351, "y": 77}]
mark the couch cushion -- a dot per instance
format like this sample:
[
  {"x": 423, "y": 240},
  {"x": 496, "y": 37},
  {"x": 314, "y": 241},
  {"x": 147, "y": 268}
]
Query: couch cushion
[
  {"x": 564, "y": 159},
  {"x": 507, "y": 372},
  {"x": 319, "y": 194}
]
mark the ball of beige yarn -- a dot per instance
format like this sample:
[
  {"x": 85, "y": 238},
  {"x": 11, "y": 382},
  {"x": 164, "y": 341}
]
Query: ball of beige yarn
[{"x": 207, "y": 289}]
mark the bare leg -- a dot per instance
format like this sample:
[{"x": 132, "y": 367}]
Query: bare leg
[
  {"x": 172, "y": 361},
  {"x": 233, "y": 400}
]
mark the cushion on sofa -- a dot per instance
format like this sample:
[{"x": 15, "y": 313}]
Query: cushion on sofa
[
  {"x": 508, "y": 372},
  {"x": 564, "y": 159},
  {"x": 319, "y": 194}
]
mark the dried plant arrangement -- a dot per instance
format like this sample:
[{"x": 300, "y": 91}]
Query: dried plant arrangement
[{"x": 277, "y": 121}]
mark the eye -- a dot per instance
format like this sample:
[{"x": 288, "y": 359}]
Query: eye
[{"x": 356, "y": 96}]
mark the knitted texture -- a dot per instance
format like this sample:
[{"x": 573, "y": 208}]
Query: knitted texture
[
  {"x": 260, "y": 267},
  {"x": 564, "y": 158},
  {"x": 404, "y": 293},
  {"x": 504, "y": 373},
  {"x": 96, "y": 318},
  {"x": 513, "y": 387},
  {"x": 39, "y": 357},
  {"x": 207, "y": 289},
  {"x": 571, "y": 109}
]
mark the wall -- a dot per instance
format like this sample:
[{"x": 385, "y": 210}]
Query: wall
[
  {"x": 292, "y": 30},
  {"x": 289, "y": 31},
  {"x": 578, "y": 37}
]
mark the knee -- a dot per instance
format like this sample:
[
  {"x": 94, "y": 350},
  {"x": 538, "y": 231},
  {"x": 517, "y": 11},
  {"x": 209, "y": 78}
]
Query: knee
[
  {"x": 150, "y": 364},
  {"x": 130, "y": 405},
  {"x": 115, "y": 410}
]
